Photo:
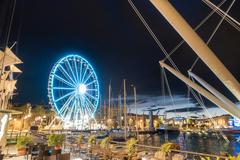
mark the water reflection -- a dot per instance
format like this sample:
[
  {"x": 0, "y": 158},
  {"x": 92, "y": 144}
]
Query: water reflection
[{"x": 196, "y": 142}]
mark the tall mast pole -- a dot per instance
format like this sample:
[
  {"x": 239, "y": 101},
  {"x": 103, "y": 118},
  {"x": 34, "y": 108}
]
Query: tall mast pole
[
  {"x": 109, "y": 101},
  {"x": 100, "y": 110},
  {"x": 198, "y": 45},
  {"x": 105, "y": 111},
  {"x": 135, "y": 103},
  {"x": 120, "y": 111},
  {"x": 125, "y": 108}
]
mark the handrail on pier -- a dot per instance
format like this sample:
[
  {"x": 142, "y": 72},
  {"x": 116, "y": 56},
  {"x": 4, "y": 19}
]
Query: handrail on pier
[{"x": 177, "y": 151}]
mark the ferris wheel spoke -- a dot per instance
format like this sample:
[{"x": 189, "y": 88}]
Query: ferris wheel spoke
[
  {"x": 70, "y": 107},
  {"x": 89, "y": 102},
  {"x": 80, "y": 73},
  {"x": 64, "y": 81},
  {"x": 90, "y": 82},
  {"x": 86, "y": 79},
  {"x": 66, "y": 105},
  {"x": 88, "y": 110},
  {"x": 91, "y": 89},
  {"x": 66, "y": 95},
  {"x": 62, "y": 88},
  {"x": 85, "y": 109},
  {"x": 64, "y": 71},
  {"x": 85, "y": 71},
  {"x": 90, "y": 96},
  {"x": 72, "y": 110},
  {"x": 70, "y": 67},
  {"x": 89, "y": 113},
  {"x": 78, "y": 110},
  {"x": 76, "y": 69},
  {"x": 83, "y": 103},
  {"x": 66, "y": 111}
]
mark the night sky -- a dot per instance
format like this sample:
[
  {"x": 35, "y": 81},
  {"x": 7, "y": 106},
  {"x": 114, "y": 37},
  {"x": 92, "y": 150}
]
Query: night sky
[{"x": 110, "y": 35}]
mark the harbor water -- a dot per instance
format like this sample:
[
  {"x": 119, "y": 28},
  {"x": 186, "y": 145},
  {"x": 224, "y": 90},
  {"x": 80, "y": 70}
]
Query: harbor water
[{"x": 203, "y": 143}]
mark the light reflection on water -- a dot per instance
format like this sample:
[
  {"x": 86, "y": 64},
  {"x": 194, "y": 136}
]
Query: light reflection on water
[{"x": 195, "y": 142}]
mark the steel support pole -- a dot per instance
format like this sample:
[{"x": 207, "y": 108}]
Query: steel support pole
[
  {"x": 234, "y": 111},
  {"x": 198, "y": 45}
]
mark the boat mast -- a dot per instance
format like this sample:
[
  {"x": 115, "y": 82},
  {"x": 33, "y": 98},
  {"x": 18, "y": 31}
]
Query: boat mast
[
  {"x": 198, "y": 45},
  {"x": 125, "y": 107},
  {"x": 109, "y": 101},
  {"x": 135, "y": 104},
  {"x": 119, "y": 111},
  {"x": 104, "y": 112}
]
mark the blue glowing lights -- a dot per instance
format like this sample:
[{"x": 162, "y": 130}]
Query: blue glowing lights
[{"x": 73, "y": 89}]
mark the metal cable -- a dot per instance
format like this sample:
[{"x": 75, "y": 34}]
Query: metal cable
[
  {"x": 168, "y": 88},
  {"x": 205, "y": 109},
  {"x": 152, "y": 34},
  {"x": 228, "y": 18},
  {"x": 214, "y": 31},
  {"x": 196, "y": 28}
]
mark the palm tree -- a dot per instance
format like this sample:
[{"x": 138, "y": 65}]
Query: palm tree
[
  {"x": 50, "y": 115},
  {"x": 25, "y": 109}
]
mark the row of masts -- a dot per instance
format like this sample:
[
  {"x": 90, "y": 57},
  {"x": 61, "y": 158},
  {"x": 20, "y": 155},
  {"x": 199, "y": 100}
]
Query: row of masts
[
  {"x": 112, "y": 109},
  {"x": 118, "y": 112}
]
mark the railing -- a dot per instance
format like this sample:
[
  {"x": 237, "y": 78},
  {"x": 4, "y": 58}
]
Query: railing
[
  {"x": 187, "y": 154},
  {"x": 13, "y": 135}
]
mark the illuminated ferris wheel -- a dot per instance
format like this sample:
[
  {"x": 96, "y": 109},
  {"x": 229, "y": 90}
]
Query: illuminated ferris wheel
[{"x": 73, "y": 89}]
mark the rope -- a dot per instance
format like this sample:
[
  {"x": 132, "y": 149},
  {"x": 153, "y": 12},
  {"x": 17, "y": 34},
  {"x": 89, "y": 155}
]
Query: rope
[
  {"x": 228, "y": 18},
  {"x": 221, "y": 12},
  {"x": 214, "y": 32},
  {"x": 11, "y": 20},
  {"x": 162, "y": 86},
  {"x": 8, "y": 35},
  {"x": 152, "y": 34},
  {"x": 201, "y": 102},
  {"x": 4, "y": 55},
  {"x": 168, "y": 87},
  {"x": 196, "y": 28}
]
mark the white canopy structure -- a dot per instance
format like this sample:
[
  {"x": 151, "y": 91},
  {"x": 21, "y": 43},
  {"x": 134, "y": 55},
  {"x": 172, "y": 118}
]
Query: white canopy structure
[
  {"x": 231, "y": 109},
  {"x": 212, "y": 90},
  {"x": 14, "y": 69},
  {"x": 198, "y": 45},
  {"x": 8, "y": 60}
]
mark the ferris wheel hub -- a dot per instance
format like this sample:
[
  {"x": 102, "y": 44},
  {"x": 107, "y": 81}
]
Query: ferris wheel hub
[{"x": 82, "y": 89}]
